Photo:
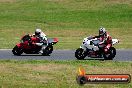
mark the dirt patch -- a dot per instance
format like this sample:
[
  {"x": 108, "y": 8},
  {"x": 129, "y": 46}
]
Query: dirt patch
[
  {"x": 7, "y": 1},
  {"x": 119, "y": 1},
  {"x": 46, "y": 67},
  {"x": 70, "y": 33}
]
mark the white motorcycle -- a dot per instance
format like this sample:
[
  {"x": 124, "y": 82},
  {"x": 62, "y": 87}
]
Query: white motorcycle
[{"x": 90, "y": 47}]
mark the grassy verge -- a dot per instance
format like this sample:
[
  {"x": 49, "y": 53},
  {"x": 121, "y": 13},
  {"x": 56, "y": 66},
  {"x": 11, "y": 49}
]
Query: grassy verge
[
  {"x": 69, "y": 20},
  {"x": 57, "y": 74}
]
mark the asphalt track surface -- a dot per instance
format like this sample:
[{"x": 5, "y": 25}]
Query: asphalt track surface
[{"x": 122, "y": 55}]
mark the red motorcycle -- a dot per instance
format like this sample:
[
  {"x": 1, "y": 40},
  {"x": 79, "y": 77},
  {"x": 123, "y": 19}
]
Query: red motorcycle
[{"x": 27, "y": 45}]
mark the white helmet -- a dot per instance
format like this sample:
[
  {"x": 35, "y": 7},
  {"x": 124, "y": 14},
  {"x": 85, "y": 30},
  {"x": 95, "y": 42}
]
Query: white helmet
[
  {"x": 102, "y": 31},
  {"x": 37, "y": 31}
]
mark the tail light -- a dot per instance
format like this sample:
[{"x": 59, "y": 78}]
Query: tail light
[{"x": 56, "y": 40}]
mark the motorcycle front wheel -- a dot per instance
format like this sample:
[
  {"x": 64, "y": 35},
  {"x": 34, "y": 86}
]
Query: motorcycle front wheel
[
  {"x": 80, "y": 54},
  {"x": 47, "y": 51}
]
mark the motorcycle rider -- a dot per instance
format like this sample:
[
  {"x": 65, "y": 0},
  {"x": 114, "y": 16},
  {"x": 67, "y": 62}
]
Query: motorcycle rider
[
  {"x": 42, "y": 37},
  {"x": 105, "y": 39}
]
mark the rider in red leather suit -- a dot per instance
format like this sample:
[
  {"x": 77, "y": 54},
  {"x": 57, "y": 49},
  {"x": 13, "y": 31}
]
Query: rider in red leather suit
[{"x": 104, "y": 39}]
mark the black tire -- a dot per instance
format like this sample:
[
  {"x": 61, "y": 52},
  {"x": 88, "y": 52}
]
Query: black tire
[
  {"x": 111, "y": 54},
  {"x": 81, "y": 80},
  {"x": 47, "y": 51},
  {"x": 80, "y": 54},
  {"x": 17, "y": 51}
]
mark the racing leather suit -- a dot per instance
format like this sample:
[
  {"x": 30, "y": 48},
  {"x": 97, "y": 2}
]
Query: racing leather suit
[
  {"x": 106, "y": 40},
  {"x": 42, "y": 37}
]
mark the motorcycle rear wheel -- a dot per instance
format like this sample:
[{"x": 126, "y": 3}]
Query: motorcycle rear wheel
[{"x": 111, "y": 54}]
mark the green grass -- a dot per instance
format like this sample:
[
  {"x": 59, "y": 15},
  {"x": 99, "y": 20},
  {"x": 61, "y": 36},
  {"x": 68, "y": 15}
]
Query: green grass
[
  {"x": 69, "y": 20},
  {"x": 57, "y": 74}
]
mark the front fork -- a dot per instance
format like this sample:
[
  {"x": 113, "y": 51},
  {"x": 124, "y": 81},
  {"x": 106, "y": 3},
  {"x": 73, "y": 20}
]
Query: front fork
[{"x": 84, "y": 48}]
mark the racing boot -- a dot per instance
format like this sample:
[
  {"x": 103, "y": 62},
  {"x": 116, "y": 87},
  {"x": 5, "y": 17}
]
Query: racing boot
[
  {"x": 100, "y": 53},
  {"x": 43, "y": 47}
]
